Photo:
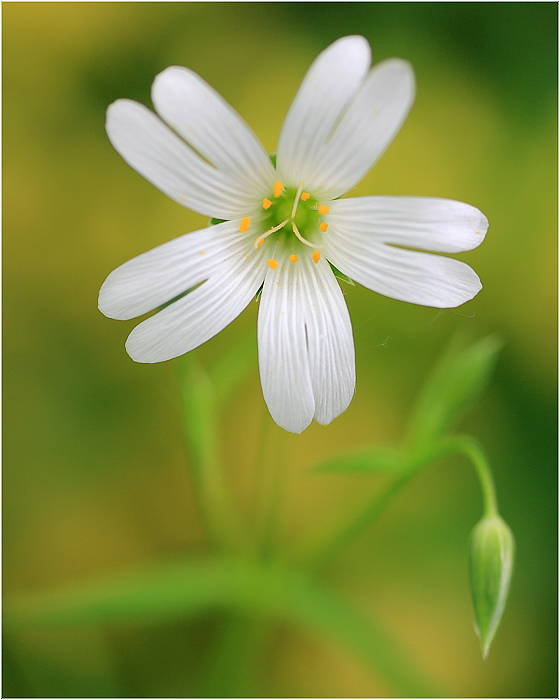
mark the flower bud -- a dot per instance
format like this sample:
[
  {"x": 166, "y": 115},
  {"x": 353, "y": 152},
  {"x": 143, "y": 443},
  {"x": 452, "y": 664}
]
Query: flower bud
[{"x": 492, "y": 550}]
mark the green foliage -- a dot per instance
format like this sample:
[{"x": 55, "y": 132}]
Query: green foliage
[
  {"x": 492, "y": 550},
  {"x": 169, "y": 592},
  {"x": 453, "y": 387},
  {"x": 384, "y": 459}
]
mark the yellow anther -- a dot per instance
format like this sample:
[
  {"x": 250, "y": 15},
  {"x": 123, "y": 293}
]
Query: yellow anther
[
  {"x": 293, "y": 258},
  {"x": 277, "y": 189},
  {"x": 260, "y": 241},
  {"x": 272, "y": 264},
  {"x": 245, "y": 223},
  {"x": 323, "y": 209},
  {"x": 305, "y": 196},
  {"x": 266, "y": 203},
  {"x": 323, "y": 227},
  {"x": 315, "y": 257}
]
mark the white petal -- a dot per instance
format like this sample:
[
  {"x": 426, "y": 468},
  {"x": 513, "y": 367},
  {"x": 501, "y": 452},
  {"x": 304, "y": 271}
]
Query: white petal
[
  {"x": 342, "y": 118},
  {"x": 306, "y": 350},
  {"x": 207, "y": 122},
  {"x": 367, "y": 127},
  {"x": 427, "y": 223},
  {"x": 283, "y": 358},
  {"x": 329, "y": 341},
  {"x": 163, "y": 273},
  {"x": 195, "y": 318},
  {"x": 330, "y": 83},
  {"x": 158, "y": 154},
  {"x": 418, "y": 278}
]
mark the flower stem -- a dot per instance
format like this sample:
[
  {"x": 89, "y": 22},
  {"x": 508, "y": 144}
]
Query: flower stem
[
  {"x": 201, "y": 429},
  {"x": 233, "y": 671},
  {"x": 473, "y": 450},
  {"x": 316, "y": 553}
]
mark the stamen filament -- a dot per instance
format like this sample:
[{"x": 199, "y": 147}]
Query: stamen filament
[
  {"x": 261, "y": 238},
  {"x": 296, "y": 200},
  {"x": 300, "y": 238}
]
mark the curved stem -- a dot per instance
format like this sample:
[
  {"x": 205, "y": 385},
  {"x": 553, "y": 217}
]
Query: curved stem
[{"x": 473, "y": 450}]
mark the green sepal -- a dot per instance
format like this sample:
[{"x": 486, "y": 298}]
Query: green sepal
[
  {"x": 492, "y": 551},
  {"x": 179, "y": 296},
  {"x": 341, "y": 276},
  {"x": 272, "y": 157},
  {"x": 213, "y": 222}
]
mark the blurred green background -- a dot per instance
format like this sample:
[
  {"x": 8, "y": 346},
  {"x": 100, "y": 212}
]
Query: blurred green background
[{"x": 96, "y": 479}]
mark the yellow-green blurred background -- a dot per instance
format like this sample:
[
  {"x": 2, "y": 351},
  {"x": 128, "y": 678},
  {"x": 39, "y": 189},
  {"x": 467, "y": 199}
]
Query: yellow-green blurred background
[{"x": 96, "y": 479}]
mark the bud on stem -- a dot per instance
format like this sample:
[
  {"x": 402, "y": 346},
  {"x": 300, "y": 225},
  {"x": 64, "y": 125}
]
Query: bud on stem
[{"x": 492, "y": 550}]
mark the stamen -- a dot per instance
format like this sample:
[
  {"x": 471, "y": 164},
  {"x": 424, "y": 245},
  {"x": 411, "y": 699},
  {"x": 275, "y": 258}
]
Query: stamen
[
  {"x": 245, "y": 223},
  {"x": 323, "y": 209},
  {"x": 272, "y": 264},
  {"x": 277, "y": 189},
  {"x": 323, "y": 227},
  {"x": 296, "y": 200},
  {"x": 260, "y": 239},
  {"x": 316, "y": 256},
  {"x": 266, "y": 203},
  {"x": 305, "y": 196},
  {"x": 300, "y": 238},
  {"x": 293, "y": 258}
]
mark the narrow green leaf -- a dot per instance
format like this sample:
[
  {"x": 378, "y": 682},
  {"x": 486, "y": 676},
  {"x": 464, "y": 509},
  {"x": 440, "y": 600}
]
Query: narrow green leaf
[
  {"x": 454, "y": 385},
  {"x": 385, "y": 459},
  {"x": 492, "y": 551},
  {"x": 169, "y": 592}
]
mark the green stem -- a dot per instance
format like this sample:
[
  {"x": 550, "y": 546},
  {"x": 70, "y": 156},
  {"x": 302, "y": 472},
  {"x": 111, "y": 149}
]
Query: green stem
[
  {"x": 473, "y": 450},
  {"x": 317, "y": 555},
  {"x": 201, "y": 429},
  {"x": 316, "y": 552},
  {"x": 233, "y": 671}
]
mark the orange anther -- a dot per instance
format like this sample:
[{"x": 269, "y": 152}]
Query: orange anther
[
  {"x": 323, "y": 209},
  {"x": 266, "y": 203},
  {"x": 245, "y": 223},
  {"x": 277, "y": 189},
  {"x": 323, "y": 227},
  {"x": 293, "y": 258},
  {"x": 316, "y": 256},
  {"x": 305, "y": 196},
  {"x": 272, "y": 264}
]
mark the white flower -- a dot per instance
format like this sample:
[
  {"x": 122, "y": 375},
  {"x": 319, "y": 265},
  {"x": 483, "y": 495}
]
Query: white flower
[{"x": 282, "y": 225}]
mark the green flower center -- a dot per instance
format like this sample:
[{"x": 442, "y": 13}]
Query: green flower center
[{"x": 295, "y": 217}]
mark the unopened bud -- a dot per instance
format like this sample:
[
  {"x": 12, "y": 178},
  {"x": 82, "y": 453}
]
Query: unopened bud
[{"x": 492, "y": 549}]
